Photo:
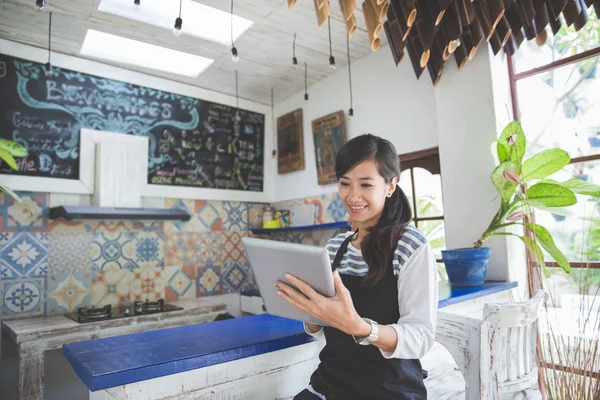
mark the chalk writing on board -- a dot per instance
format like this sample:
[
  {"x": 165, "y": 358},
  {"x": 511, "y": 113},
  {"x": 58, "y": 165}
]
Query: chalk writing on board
[{"x": 189, "y": 139}]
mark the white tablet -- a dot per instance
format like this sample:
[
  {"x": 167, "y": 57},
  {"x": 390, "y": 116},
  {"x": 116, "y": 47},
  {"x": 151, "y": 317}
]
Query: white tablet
[{"x": 271, "y": 260}]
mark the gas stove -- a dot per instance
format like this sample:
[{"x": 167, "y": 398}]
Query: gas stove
[{"x": 94, "y": 314}]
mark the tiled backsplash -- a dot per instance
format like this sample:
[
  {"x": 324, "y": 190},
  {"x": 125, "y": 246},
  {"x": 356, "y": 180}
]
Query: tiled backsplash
[{"x": 52, "y": 267}]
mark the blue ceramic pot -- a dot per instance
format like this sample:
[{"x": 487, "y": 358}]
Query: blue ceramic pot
[{"x": 466, "y": 267}]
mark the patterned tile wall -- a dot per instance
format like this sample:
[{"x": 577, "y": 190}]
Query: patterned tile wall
[{"x": 51, "y": 267}]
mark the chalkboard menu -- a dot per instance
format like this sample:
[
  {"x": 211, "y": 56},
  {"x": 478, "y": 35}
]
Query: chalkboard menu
[{"x": 193, "y": 142}]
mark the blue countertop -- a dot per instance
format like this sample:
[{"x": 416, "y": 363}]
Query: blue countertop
[{"x": 119, "y": 360}]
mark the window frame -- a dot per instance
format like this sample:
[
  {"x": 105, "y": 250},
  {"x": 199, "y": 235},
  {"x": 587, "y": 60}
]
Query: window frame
[
  {"x": 428, "y": 159},
  {"x": 514, "y": 78}
]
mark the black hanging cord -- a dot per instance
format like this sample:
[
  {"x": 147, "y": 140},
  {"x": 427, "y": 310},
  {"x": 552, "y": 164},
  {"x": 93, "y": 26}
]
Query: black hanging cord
[
  {"x": 349, "y": 71},
  {"x": 49, "y": 35},
  {"x": 231, "y": 25},
  {"x": 294, "y": 46},
  {"x": 305, "y": 79},
  {"x": 329, "y": 28},
  {"x": 274, "y": 127}
]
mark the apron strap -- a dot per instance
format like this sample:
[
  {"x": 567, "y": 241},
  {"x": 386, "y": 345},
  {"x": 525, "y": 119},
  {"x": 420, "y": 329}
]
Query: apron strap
[{"x": 341, "y": 251}]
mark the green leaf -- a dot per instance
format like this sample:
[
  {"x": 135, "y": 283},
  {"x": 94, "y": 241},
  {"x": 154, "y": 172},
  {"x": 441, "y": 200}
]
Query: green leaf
[
  {"x": 547, "y": 242},
  {"x": 506, "y": 151},
  {"x": 544, "y": 164},
  {"x": 550, "y": 195},
  {"x": 12, "y": 194},
  {"x": 578, "y": 186},
  {"x": 14, "y": 148},
  {"x": 534, "y": 248},
  {"x": 8, "y": 158},
  {"x": 505, "y": 187}
]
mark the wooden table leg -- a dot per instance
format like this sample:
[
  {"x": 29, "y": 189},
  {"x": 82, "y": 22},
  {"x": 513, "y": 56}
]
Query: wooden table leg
[{"x": 31, "y": 373}]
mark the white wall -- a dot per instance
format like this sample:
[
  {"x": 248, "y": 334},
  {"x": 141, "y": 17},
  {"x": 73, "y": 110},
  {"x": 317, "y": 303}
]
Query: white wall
[
  {"x": 137, "y": 78},
  {"x": 388, "y": 102}
]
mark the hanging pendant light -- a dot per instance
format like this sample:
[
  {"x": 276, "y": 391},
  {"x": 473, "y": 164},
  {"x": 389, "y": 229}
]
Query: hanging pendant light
[
  {"x": 331, "y": 57},
  {"x": 234, "y": 53},
  {"x": 178, "y": 22},
  {"x": 305, "y": 83},
  {"x": 48, "y": 68},
  {"x": 137, "y": 5},
  {"x": 351, "y": 110},
  {"x": 294, "y": 59},
  {"x": 39, "y": 5}
]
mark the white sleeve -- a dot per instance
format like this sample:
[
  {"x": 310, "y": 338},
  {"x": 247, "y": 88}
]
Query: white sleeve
[
  {"x": 418, "y": 303},
  {"x": 318, "y": 334}
]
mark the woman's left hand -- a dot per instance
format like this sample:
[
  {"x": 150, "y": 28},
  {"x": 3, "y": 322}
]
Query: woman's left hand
[{"x": 337, "y": 311}]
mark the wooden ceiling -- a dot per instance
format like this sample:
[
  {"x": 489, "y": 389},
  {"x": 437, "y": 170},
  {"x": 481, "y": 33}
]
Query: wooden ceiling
[{"x": 265, "y": 49}]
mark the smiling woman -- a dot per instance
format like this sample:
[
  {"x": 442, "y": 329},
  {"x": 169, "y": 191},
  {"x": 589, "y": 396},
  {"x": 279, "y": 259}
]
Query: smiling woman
[{"x": 383, "y": 316}]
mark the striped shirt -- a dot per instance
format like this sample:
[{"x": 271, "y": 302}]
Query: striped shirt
[{"x": 415, "y": 267}]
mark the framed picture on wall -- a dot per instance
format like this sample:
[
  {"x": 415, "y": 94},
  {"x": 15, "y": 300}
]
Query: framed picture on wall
[
  {"x": 290, "y": 142},
  {"x": 329, "y": 134}
]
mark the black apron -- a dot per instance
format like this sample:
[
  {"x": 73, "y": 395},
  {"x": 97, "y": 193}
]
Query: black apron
[{"x": 350, "y": 371}]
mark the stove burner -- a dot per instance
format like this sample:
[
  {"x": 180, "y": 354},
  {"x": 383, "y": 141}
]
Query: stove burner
[
  {"x": 94, "y": 314},
  {"x": 138, "y": 308},
  {"x": 149, "y": 306}
]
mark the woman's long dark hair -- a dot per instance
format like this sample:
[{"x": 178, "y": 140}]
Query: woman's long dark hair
[{"x": 379, "y": 245}]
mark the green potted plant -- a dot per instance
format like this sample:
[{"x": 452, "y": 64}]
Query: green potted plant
[
  {"x": 523, "y": 186},
  {"x": 8, "y": 151}
]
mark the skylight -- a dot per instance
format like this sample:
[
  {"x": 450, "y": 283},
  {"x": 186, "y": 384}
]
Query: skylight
[
  {"x": 198, "y": 19},
  {"x": 116, "y": 48}
]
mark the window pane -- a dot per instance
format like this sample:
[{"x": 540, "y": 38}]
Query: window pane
[
  {"x": 566, "y": 43},
  {"x": 406, "y": 186},
  {"x": 442, "y": 272},
  {"x": 435, "y": 233},
  {"x": 576, "y": 229},
  {"x": 561, "y": 108},
  {"x": 428, "y": 188}
]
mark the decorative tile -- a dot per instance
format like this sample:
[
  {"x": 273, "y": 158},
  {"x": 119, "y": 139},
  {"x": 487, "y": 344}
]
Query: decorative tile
[
  {"x": 235, "y": 275},
  {"x": 69, "y": 253},
  {"x": 112, "y": 286},
  {"x": 180, "y": 248},
  {"x": 149, "y": 248},
  {"x": 235, "y": 216},
  {"x": 209, "y": 280},
  {"x": 66, "y": 292},
  {"x": 232, "y": 248},
  {"x": 62, "y": 226},
  {"x": 147, "y": 284},
  {"x": 148, "y": 226},
  {"x": 23, "y": 298},
  {"x": 336, "y": 209},
  {"x": 180, "y": 282},
  {"x": 208, "y": 247},
  {"x": 189, "y": 206},
  {"x": 24, "y": 254},
  {"x": 319, "y": 237},
  {"x": 18, "y": 218},
  {"x": 116, "y": 249},
  {"x": 108, "y": 226},
  {"x": 208, "y": 214}
]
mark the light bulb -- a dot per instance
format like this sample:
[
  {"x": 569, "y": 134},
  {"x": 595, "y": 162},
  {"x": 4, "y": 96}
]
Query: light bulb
[
  {"x": 331, "y": 62},
  {"x": 295, "y": 62},
  {"x": 306, "y": 97},
  {"x": 48, "y": 70},
  {"x": 350, "y": 113},
  {"x": 136, "y": 5},
  {"x": 234, "y": 54},
  {"x": 177, "y": 27},
  {"x": 39, "y": 5}
]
